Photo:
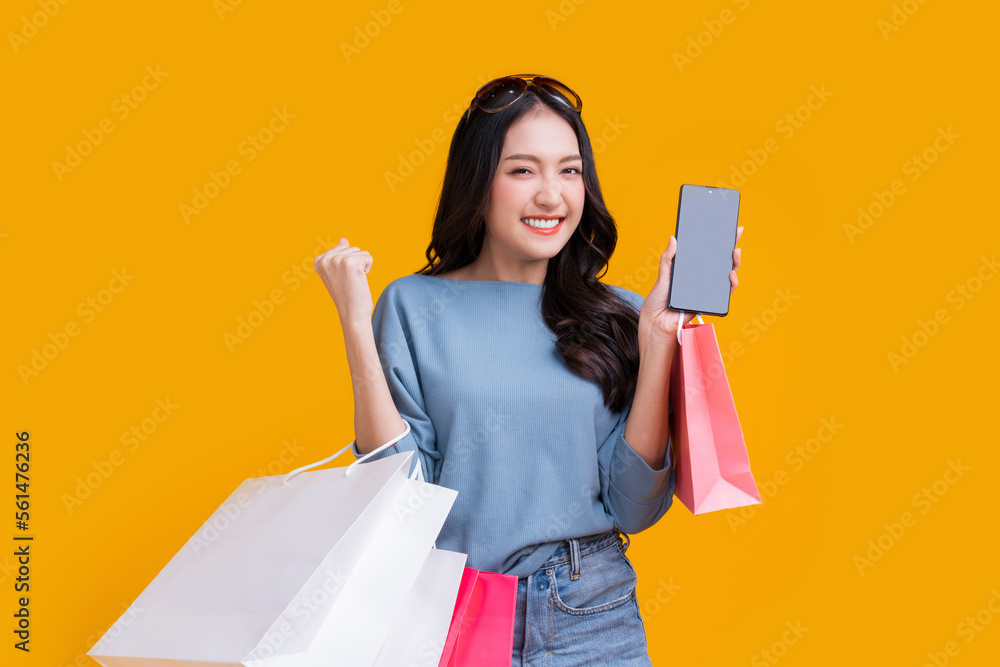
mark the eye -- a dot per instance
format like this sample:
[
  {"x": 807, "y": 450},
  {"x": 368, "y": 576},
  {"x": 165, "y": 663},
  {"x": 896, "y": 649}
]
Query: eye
[{"x": 575, "y": 171}]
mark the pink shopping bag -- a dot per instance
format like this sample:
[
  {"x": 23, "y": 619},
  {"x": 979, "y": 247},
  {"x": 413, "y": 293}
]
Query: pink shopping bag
[
  {"x": 482, "y": 627},
  {"x": 465, "y": 587},
  {"x": 710, "y": 456}
]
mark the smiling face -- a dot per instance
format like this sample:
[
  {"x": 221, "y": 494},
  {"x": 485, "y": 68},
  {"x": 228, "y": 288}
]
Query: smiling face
[{"x": 537, "y": 197}]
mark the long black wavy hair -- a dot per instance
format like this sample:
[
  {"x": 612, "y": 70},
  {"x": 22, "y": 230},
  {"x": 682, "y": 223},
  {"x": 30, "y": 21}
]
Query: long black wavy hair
[{"x": 597, "y": 331}]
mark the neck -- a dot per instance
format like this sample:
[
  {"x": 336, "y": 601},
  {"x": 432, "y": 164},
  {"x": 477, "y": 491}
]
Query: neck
[{"x": 486, "y": 267}]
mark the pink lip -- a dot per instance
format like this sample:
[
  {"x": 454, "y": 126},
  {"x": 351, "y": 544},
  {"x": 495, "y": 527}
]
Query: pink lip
[{"x": 544, "y": 217}]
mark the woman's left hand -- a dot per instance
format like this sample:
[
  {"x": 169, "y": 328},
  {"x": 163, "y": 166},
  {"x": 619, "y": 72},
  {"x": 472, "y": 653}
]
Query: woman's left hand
[{"x": 657, "y": 323}]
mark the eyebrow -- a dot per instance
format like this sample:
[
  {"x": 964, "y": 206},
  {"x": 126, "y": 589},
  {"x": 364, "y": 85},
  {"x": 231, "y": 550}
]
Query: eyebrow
[{"x": 525, "y": 156}]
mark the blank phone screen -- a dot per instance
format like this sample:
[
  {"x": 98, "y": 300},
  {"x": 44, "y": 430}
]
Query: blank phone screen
[{"x": 706, "y": 238}]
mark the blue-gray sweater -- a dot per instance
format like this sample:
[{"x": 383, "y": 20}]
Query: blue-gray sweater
[{"x": 495, "y": 414}]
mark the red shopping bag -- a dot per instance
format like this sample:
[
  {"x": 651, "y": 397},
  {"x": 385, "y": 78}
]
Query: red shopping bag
[
  {"x": 482, "y": 627},
  {"x": 710, "y": 456}
]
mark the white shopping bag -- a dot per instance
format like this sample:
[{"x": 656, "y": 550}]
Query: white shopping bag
[
  {"x": 417, "y": 639},
  {"x": 310, "y": 572}
]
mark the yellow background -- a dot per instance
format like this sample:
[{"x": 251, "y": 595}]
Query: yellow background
[{"x": 742, "y": 576}]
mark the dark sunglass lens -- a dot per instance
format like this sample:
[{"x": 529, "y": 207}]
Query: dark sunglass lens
[
  {"x": 561, "y": 91},
  {"x": 500, "y": 94}
]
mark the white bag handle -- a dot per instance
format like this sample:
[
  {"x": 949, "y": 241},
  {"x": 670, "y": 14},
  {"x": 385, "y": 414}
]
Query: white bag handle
[
  {"x": 416, "y": 474},
  {"x": 680, "y": 320}
]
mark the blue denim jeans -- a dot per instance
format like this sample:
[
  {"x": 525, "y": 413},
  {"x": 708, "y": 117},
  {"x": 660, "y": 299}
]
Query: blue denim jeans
[{"x": 580, "y": 608}]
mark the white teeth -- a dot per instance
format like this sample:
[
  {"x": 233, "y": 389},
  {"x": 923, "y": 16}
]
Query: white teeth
[{"x": 541, "y": 224}]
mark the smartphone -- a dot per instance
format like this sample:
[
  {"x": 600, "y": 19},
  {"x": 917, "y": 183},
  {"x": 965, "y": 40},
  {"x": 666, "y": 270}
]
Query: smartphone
[{"x": 706, "y": 237}]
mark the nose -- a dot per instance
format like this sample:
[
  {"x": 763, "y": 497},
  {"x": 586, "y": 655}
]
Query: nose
[{"x": 549, "y": 192}]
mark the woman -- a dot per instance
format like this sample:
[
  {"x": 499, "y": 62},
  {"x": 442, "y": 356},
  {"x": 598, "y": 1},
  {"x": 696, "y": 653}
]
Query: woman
[{"x": 531, "y": 388}]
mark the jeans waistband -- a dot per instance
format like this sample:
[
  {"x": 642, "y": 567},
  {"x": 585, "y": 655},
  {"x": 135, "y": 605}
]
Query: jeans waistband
[{"x": 574, "y": 549}]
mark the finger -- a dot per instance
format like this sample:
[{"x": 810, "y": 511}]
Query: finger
[
  {"x": 669, "y": 253},
  {"x": 737, "y": 254},
  {"x": 734, "y": 280},
  {"x": 322, "y": 257},
  {"x": 665, "y": 259},
  {"x": 739, "y": 233}
]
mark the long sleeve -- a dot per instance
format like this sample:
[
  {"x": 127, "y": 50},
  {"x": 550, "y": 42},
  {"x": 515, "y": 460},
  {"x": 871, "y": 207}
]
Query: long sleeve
[
  {"x": 394, "y": 344},
  {"x": 635, "y": 495}
]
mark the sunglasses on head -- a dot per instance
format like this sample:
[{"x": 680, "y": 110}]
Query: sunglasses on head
[{"x": 500, "y": 93}]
